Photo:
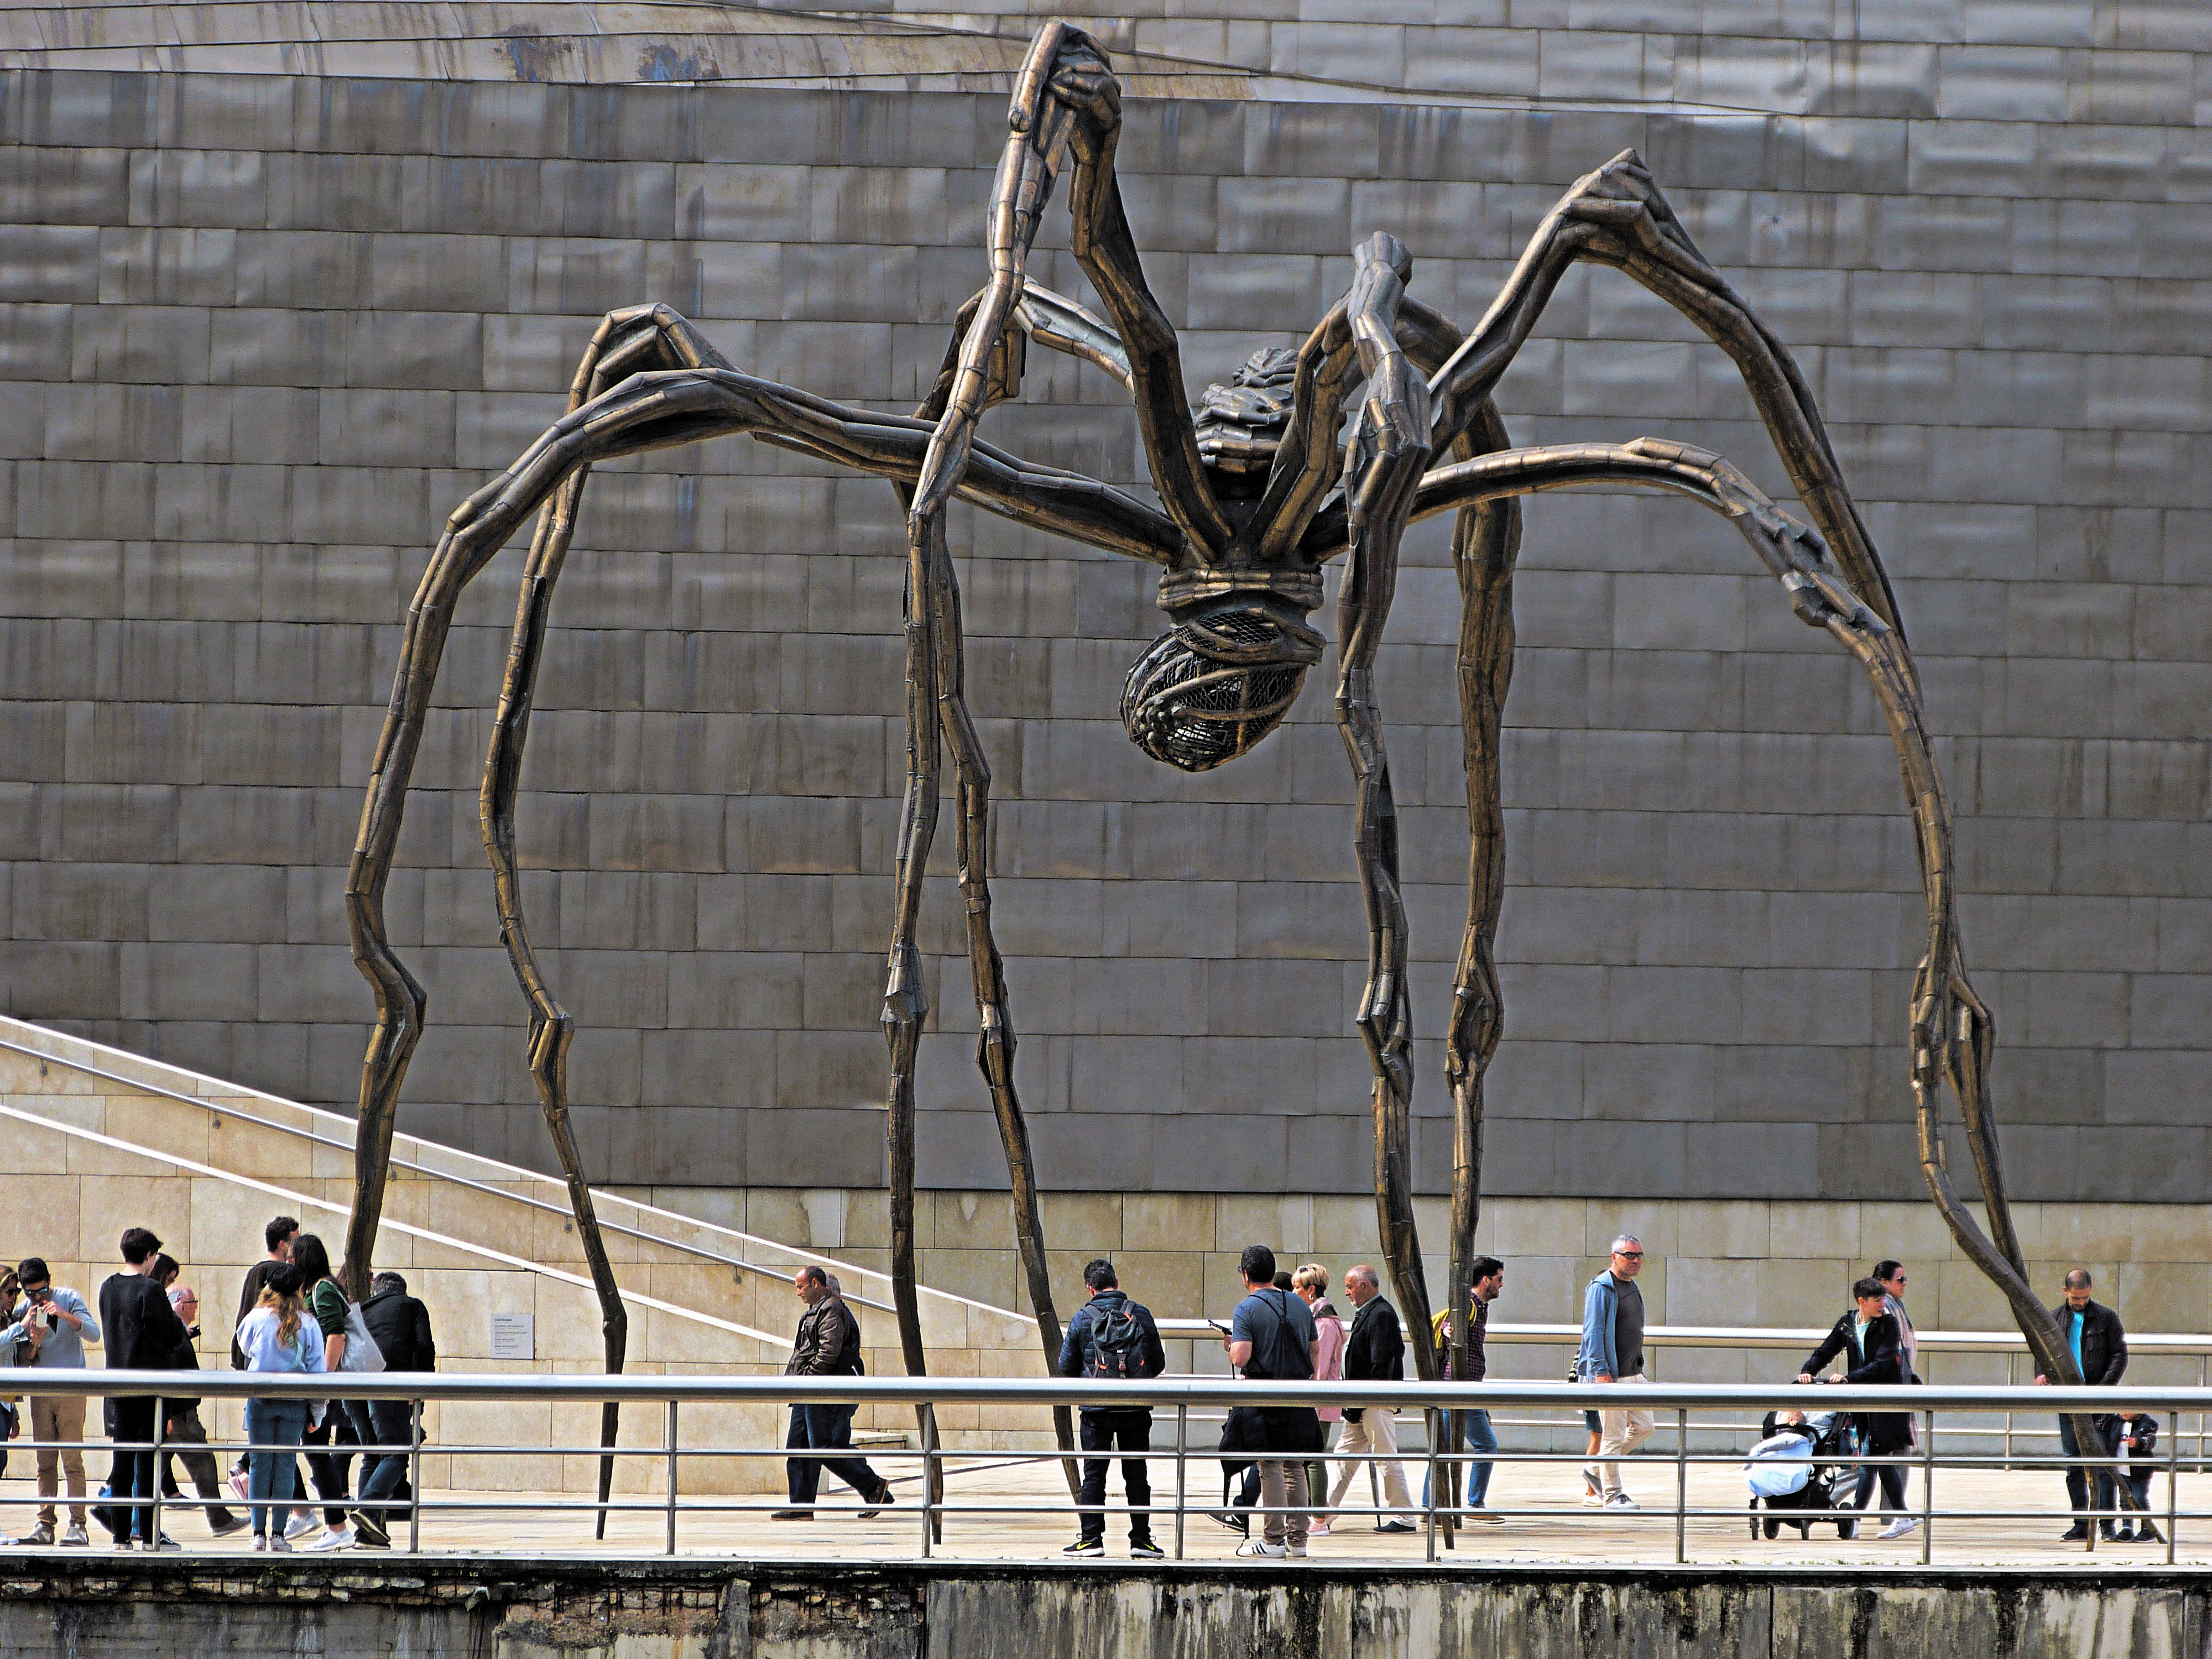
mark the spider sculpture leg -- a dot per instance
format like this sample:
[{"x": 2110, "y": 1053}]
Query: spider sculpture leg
[
  {"x": 647, "y": 411},
  {"x": 639, "y": 338},
  {"x": 1618, "y": 217},
  {"x": 1486, "y": 543},
  {"x": 1959, "y": 1051},
  {"x": 1065, "y": 98}
]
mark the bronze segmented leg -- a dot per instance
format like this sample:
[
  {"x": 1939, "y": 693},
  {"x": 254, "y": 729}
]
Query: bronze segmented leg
[
  {"x": 642, "y": 337},
  {"x": 1386, "y": 454},
  {"x": 1953, "y": 1034}
]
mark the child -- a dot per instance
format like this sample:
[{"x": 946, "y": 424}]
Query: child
[{"x": 2133, "y": 1445}]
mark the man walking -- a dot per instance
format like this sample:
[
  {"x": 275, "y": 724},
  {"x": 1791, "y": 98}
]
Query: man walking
[
  {"x": 827, "y": 1344},
  {"x": 143, "y": 1334},
  {"x": 57, "y": 1324},
  {"x": 1374, "y": 1351},
  {"x": 1613, "y": 1352},
  {"x": 1489, "y": 1274},
  {"x": 181, "y": 1428},
  {"x": 1112, "y": 1338},
  {"x": 2100, "y": 1351},
  {"x": 1272, "y": 1338},
  {"x": 401, "y": 1327}
]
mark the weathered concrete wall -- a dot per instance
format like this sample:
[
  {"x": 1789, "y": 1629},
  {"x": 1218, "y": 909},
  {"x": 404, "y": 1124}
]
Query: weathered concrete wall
[
  {"x": 264, "y": 332},
  {"x": 549, "y": 1610}
]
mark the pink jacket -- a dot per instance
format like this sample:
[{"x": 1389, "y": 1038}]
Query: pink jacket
[{"x": 1329, "y": 1330}]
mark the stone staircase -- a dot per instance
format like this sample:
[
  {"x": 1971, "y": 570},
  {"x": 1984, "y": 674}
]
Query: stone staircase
[{"x": 98, "y": 1140}]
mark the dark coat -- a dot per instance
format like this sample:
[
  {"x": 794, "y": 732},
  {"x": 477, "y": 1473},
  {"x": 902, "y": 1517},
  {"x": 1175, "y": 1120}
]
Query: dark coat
[
  {"x": 1375, "y": 1351},
  {"x": 401, "y": 1325},
  {"x": 1881, "y": 1360},
  {"x": 2104, "y": 1343},
  {"x": 1075, "y": 1347},
  {"x": 828, "y": 1343},
  {"x": 1270, "y": 1431},
  {"x": 141, "y": 1330}
]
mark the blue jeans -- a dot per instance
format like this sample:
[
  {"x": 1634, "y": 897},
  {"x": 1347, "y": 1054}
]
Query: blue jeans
[
  {"x": 1480, "y": 1439},
  {"x": 381, "y": 1422},
  {"x": 273, "y": 1476}
]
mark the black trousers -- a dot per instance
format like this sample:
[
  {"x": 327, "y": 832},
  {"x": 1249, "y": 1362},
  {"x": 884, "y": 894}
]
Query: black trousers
[
  {"x": 825, "y": 1428},
  {"x": 1892, "y": 1476},
  {"x": 2077, "y": 1482},
  {"x": 1116, "y": 1429},
  {"x": 332, "y": 1470},
  {"x": 131, "y": 1475}
]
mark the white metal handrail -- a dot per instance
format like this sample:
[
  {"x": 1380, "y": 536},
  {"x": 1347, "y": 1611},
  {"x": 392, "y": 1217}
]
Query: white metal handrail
[
  {"x": 1437, "y": 1515},
  {"x": 1781, "y": 1337}
]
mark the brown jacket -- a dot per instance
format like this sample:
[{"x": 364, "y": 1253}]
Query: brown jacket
[{"x": 829, "y": 1341}]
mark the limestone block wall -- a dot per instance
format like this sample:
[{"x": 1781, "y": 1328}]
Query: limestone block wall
[
  {"x": 1761, "y": 1262},
  {"x": 263, "y": 330}
]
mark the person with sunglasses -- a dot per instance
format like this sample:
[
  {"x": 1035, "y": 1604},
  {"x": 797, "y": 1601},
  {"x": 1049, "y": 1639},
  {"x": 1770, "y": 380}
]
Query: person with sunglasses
[{"x": 1613, "y": 1352}]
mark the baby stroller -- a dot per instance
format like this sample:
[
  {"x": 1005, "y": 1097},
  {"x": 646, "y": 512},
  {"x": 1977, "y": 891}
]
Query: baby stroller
[{"x": 1792, "y": 1480}]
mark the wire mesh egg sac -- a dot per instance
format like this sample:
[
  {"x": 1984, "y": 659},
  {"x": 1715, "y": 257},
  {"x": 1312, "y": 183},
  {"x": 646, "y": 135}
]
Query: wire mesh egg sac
[{"x": 1194, "y": 710}]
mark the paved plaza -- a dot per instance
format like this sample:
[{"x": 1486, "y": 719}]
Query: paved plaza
[{"x": 1554, "y": 1529}]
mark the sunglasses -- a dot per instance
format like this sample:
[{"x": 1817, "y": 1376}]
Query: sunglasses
[{"x": 1629, "y": 1256}]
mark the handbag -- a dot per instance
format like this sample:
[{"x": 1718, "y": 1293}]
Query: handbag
[{"x": 362, "y": 1353}]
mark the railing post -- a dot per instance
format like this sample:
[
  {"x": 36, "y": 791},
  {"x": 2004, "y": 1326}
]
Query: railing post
[
  {"x": 415, "y": 1481},
  {"x": 154, "y": 1531},
  {"x": 1182, "y": 1441},
  {"x": 1433, "y": 1420},
  {"x": 672, "y": 1477},
  {"x": 1681, "y": 1484},
  {"x": 1928, "y": 1487},
  {"x": 928, "y": 1491},
  {"x": 2173, "y": 1486},
  {"x": 2012, "y": 1381}
]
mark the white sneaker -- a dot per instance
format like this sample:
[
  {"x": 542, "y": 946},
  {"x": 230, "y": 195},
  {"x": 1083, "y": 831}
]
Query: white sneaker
[
  {"x": 279, "y": 1546},
  {"x": 1621, "y": 1500},
  {"x": 338, "y": 1537},
  {"x": 1260, "y": 1547},
  {"x": 1593, "y": 1493},
  {"x": 1317, "y": 1529},
  {"x": 1295, "y": 1549},
  {"x": 301, "y": 1523},
  {"x": 1898, "y": 1527}
]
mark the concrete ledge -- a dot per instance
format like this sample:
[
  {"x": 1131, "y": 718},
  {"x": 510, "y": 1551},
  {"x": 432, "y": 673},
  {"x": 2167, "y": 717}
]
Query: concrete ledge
[{"x": 107, "y": 1608}]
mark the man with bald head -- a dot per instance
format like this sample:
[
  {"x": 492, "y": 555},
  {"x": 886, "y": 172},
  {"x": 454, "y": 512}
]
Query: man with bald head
[
  {"x": 1613, "y": 1352},
  {"x": 1374, "y": 1352}
]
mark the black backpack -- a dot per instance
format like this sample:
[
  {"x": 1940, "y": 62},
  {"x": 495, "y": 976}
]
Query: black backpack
[
  {"x": 1117, "y": 1343},
  {"x": 1278, "y": 1356}
]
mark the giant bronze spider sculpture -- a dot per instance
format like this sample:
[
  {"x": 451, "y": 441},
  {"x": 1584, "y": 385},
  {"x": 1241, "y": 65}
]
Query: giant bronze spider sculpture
[{"x": 1256, "y": 493}]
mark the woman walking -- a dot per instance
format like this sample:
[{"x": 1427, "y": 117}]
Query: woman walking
[
  {"x": 1868, "y": 1337},
  {"x": 1892, "y": 1276},
  {"x": 326, "y": 1301},
  {"x": 1311, "y": 1282},
  {"x": 277, "y": 1337}
]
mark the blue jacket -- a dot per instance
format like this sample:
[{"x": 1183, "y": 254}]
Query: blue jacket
[
  {"x": 1075, "y": 1347},
  {"x": 1600, "y": 1303}
]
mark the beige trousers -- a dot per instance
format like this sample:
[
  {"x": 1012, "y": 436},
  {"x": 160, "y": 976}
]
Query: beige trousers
[
  {"x": 59, "y": 1418},
  {"x": 1622, "y": 1432},
  {"x": 1377, "y": 1432}
]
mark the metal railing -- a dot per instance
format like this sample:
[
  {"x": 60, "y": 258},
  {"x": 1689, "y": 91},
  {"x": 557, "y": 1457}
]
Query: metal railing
[
  {"x": 1658, "y": 1339},
  {"x": 1437, "y": 1518}
]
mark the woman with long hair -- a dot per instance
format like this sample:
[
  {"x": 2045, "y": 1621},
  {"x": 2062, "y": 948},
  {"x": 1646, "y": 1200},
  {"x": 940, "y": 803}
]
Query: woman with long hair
[
  {"x": 278, "y": 1337},
  {"x": 326, "y": 1301},
  {"x": 1867, "y": 1340}
]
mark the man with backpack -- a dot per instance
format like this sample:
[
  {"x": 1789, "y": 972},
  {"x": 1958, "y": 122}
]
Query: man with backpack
[
  {"x": 1272, "y": 1339},
  {"x": 1112, "y": 1338}
]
